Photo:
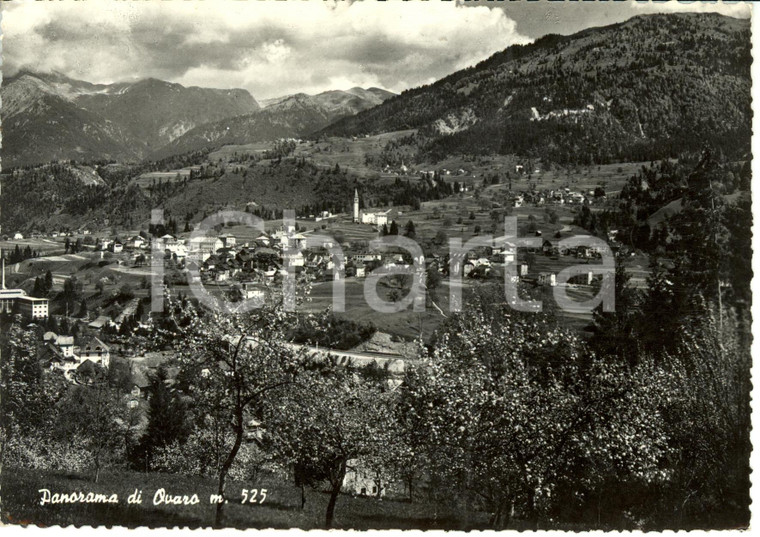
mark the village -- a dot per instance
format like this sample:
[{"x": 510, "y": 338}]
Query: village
[{"x": 237, "y": 263}]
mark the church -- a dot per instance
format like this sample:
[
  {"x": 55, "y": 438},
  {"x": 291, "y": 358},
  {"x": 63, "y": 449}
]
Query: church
[{"x": 379, "y": 218}]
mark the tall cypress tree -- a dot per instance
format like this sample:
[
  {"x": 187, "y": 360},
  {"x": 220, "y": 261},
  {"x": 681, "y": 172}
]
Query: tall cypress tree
[{"x": 166, "y": 416}]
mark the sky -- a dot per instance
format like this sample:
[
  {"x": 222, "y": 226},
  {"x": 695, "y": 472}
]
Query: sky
[{"x": 273, "y": 48}]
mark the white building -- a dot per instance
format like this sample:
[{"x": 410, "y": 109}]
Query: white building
[
  {"x": 376, "y": 219},
  {"x": 201, "y": 248},
  {"x": 228, "y": 241},
  {"x": 12, "y": 299},
  {"x": 96, "y": 351}
]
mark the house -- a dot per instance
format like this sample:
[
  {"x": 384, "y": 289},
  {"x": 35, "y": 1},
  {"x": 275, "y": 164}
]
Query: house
[
  {"x": 49, "y": 336},
  {"x": 52, "y": 355},
  {"x": 88, "y": 372},
  {"x": 263, "y": 240},
  {"x": 18, "y": 236},
  {"x": 95, "y": 351},
  {"x": 135, "y": 243},
  {"x": 140, "y": 384},
  {"x": 228, "y": 241},
  {"x": 294, "y": 259},
  {"x": 364, "y": 257},
  {"x": 222, "y": 274},
  {"x": 65, "y": 344},
  {"x": 297, "y": 241},
  {"x": 201, "y": 248},
  {"x": 253, "y": 290},
  {"x": 99, "y": 323},
  {"x": 377, "y": 219},
  {"x": 117, "y": 247},
  {"x": 547, "y": 278},
  {"x": 254, "y": 430}
]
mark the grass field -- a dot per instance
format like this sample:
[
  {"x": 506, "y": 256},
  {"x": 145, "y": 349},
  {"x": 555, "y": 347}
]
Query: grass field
[
  {"x": 406, "y": 324},
  {"x": 147, "y": 179},
  {"x": 349, "y": 154},
  {"x": 281, "y": 509},
  {"x": 227, "y": 153},
  {"x": 42, "y": 246}
]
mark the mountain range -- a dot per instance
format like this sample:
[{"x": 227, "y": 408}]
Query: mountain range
[
  {"x": 292, "y": 116},
  {"x": 646, "y": 88},
  {"x": 48, "y": 117}
]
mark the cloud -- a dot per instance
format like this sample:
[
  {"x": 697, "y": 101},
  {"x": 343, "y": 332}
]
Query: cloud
[
  {"x": 269, "y": 48},
  {"x": 732, "y": 8}
]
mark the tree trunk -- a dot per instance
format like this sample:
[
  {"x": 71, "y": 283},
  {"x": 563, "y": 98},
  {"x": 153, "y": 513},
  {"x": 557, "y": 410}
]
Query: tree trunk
[
  {"x": 337, "y": 483},
  {"x": 97, "y": 466},
  {"x": 227, "y": 465},
  {"x": 331, "y": 506},
  {"x": 303, "y": 497}
]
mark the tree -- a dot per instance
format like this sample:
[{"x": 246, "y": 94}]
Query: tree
[
  {"x": 48, "y": 282},
  {"x": 615, "y": 333},
  {"x": 509, "y": 409},
  {"x": 166, "y": 417},
  {"x": 409, "y": 230},
  {"x": 37, "y": 289},
  {"x": 27, "y": 394},
  {"x": 394, "y": 228},
  {"x": 232, "y": 363},
  {"x": 71, "y": 292},
  {"x": 83, "y": 308},
  {"x": 95, "y": 418},
  {"x": 708, "y": 421},
  {"x": 333, "y": 419}
]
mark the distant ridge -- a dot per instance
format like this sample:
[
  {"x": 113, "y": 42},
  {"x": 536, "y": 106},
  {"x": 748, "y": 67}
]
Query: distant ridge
[
  {"x": 50, "y": 116},
  {"x": 292, "y": 116},
  {"x": 645, "y": 88}
]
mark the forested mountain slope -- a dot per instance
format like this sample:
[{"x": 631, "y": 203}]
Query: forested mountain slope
[{"x": 646, "y": 88}]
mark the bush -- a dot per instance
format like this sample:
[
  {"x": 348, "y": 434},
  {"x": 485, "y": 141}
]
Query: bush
[
  {"x": 334, "y": 333},
  {"x": 38, "y": 452}
]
